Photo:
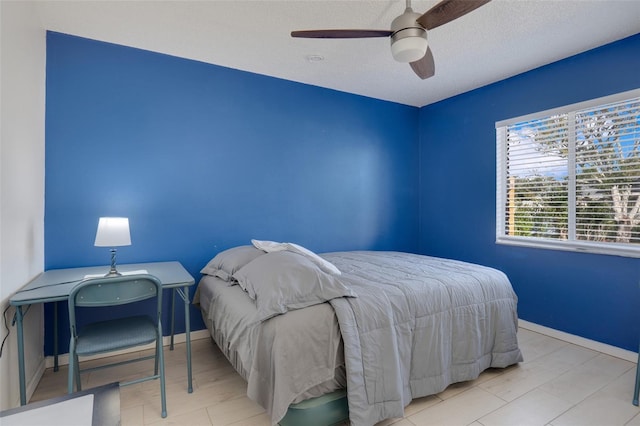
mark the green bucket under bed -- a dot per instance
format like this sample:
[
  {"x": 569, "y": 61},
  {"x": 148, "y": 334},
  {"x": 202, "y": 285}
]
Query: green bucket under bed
[{"x": 324, "y": 410}]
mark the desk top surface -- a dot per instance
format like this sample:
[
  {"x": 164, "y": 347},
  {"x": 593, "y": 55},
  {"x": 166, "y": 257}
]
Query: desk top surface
[{"x": 56, "y": 284}]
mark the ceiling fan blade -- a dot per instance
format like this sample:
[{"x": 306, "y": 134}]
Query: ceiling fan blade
[
  {"x": 340, "y": 33},
  {"x": 424, "y": 67},
  {"x": 447, "y": 11}
]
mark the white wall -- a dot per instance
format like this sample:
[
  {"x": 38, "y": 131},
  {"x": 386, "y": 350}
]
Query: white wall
[{"x": 22, "y": 117}]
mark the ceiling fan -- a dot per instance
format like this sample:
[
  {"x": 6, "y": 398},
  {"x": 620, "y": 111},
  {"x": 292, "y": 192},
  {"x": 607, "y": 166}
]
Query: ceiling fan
[{"x": 408, "y": 32}]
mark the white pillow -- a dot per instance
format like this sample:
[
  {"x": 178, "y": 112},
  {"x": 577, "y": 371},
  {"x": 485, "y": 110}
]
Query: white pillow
[{"x": 271, "y": 246}]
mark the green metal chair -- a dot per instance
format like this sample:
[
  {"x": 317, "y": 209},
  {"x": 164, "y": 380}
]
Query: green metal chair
[{"x": 117, "y": 334}]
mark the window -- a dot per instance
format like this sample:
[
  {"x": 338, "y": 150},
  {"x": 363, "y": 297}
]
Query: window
[{"x": 569, "y": 178}]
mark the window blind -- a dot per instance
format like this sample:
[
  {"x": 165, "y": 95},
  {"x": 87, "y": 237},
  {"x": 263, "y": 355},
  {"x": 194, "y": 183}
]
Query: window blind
[{"x": 569, "y": 178}]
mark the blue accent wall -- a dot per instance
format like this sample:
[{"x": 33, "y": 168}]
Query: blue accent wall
[
  {"x": 593, "y": 296},
  {"x": 202, "y": 158}
]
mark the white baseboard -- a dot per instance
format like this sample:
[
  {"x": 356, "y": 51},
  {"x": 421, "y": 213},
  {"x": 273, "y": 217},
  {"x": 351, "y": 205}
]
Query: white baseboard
[
  {"x": 580, "y": 341},
  {"x": 63, "y": 359}
]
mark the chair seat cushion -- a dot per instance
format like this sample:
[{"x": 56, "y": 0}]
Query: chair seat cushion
[{"x": 115, "y": 334}]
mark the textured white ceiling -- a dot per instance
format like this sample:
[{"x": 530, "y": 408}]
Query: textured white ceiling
[{"x": 498, "y": 40}]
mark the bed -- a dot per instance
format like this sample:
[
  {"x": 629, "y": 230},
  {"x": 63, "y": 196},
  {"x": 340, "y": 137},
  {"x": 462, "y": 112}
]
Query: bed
[{"x": 364, "y": 330}]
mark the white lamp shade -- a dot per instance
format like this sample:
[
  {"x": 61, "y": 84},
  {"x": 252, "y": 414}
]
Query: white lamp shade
[
  {"x": 409, "y": 49},
  {"x": 113, "y": 232}
]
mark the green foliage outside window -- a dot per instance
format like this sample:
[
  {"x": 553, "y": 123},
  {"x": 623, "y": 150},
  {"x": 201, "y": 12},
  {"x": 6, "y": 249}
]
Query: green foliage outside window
[{"x": 591, "y": 157}]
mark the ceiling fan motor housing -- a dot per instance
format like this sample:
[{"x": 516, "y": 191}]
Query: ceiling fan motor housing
[{"x": 408, "y": 38}]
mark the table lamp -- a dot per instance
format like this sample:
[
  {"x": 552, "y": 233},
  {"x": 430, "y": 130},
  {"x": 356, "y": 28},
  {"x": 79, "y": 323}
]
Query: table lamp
[{"x": 113, "y": 232}]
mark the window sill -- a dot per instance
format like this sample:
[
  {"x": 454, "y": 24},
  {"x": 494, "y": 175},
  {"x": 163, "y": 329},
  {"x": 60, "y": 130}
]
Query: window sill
[{"x": 574, "y": 246}]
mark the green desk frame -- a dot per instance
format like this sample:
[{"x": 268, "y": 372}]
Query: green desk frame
[{"x": 55, "y": 285}]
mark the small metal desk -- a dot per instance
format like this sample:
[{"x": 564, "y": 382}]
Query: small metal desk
[{"x": 55, "y": 285}]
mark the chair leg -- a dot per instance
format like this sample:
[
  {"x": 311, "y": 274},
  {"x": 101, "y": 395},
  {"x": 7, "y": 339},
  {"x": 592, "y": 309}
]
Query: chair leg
[
  {"x": 158, "y": 349},
  {"x": 160, "y": 360},
  {"x": 76, "y": 361},
  {"x": 72, "y": 365},
  {"x": 637, "y": 391},
  {"x": 71, "y": 377}
]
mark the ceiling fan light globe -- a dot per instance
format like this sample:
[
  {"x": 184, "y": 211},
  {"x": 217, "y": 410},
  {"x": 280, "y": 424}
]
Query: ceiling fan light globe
[{"x": 409, "y": 49}]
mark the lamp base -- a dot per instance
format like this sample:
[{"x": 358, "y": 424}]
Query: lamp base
[{"x": 112, "y": 272}]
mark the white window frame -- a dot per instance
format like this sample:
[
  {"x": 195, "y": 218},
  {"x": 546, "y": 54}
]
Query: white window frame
[{"x": 570, "y": 244}]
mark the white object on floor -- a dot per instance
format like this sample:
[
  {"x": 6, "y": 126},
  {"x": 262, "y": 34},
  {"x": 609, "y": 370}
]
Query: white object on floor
[{"x": 72, "y": 412}]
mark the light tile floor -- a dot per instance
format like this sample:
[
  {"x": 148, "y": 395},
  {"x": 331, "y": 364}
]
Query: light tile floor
[{"x": 558, "y": 384}]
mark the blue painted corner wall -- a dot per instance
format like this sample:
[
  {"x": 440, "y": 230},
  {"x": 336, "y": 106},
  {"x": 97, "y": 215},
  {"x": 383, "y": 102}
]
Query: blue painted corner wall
[
  {"x": 202, "y": 158},
  {"x": 593, "y": 296}
]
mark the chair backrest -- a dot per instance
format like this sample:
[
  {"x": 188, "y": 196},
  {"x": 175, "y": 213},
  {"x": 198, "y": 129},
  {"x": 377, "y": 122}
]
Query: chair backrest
[{"x": 111, "y": 291}]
